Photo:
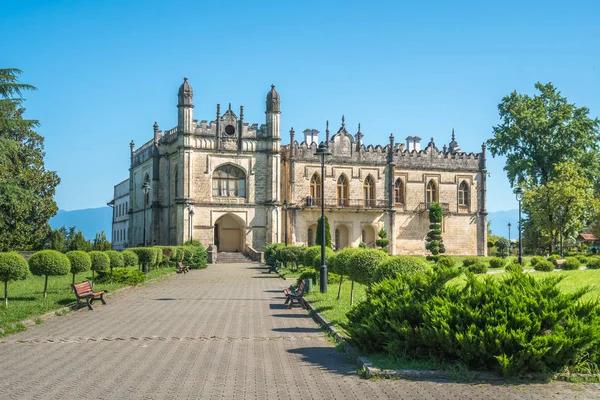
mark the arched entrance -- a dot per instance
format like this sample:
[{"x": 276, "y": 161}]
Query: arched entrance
[
  {"x": 368, "y": 235},
  {"x": 341, "y": 237},
  {"x": 229, "y": 233}
]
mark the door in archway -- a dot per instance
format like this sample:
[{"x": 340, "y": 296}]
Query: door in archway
[
  {"x": 368, "y": 235},
  {"x": 228, "y": 230},
  {"x": 341, "y": 237}
]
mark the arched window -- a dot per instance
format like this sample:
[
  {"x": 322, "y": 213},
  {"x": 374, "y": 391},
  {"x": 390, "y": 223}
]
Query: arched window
[
  {"x": 369, "y": 191},
  {"x": 342, "y": 191},
  {"x": 431, "y": 193},
  {"x": 147, "y": 196},
  {"x": 399, "y": 191},
  {"x": 463, "y": 194},
  {"x": 315, "y": 188},
  {"x": 229, "y": 181}
]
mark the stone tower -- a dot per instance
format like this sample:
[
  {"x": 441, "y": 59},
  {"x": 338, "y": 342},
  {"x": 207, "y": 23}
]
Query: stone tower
[{"x": 185, "y": 108}]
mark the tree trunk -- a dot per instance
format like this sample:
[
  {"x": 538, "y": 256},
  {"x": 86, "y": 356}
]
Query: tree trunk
[
  {"x": 340, "y": 287},
  {"x": 73, "y": 279},
  {"x": 352, "y": 294},
  {"x": 6, "y": 293},
  {"x": 45, "y": 287}
]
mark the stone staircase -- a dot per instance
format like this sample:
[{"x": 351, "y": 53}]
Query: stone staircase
[{"x": 232, "y": 258}]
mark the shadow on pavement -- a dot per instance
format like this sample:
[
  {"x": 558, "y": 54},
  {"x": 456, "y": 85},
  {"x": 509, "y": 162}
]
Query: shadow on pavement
[
  {"x": 325, "y": 357},
  {"x": 303, "y": 316},
  {"x": 278, "y": 306},
  {"x": 298, "y": 330}
]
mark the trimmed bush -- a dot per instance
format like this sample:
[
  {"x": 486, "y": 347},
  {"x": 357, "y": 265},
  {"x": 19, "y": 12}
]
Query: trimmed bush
[
  {"x": 130, "y": 259},
  {"x": 497, "y": 262},
  {"x": 502, "y": 247},
  {"x": 363, "y": 265},
  {"x": 470, "y": 260},
  {"x": 49, "y": 263},
  {"x": 593, "y": 263},
  {"x": 544, "y": 266},
  {"x": 309, "y": 255},
  {"x": 477, "y": 268},
  {"x": 127, "y": 276},
  {"x": 271, "y": 253},
  {"x": 553, "y": 258},
  {"x": 13, "y": 267},
  {"x": 80, "y": 262},
  {"x": 393, "y": 266},
  {"x": 116, "y": 260},
  {"x": 199, "y": 258},
  {"x": 525, "y": 325},
  {"x": 582, "y": 259},
  {"x": 536, "y": 260},
  {"x": 100, "y": 262},
  {"x": 329, "y": 254},
  {"x": 148, "y": 255},
  {"x": 340, "y": 264},
  {"x": 293, "y": 255},
  {"x": 513, "y": 267},
  {"x": 445, "y": 262},
  {"x": 571, "y": 263}
]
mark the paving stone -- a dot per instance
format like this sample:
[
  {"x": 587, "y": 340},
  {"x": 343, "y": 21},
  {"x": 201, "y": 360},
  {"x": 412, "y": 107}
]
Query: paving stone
[{"x": 219, "y": 333}]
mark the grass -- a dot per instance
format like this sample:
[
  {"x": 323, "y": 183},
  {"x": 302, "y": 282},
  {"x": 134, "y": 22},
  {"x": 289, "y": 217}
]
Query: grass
[{"x": 25, "y": 298}]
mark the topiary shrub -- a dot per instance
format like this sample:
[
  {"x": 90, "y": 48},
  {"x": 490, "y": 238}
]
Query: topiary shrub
[
  {"x": 553, "y": 258},
  {"x": 124, "y": 275},
  {"x": 271, "y": 253},
  {"x": 571, "y": 263},
  {"x": 13, "y": 267},
  {"x": 187, "y": 254},
  {"x": 593, "y": 263},
  {"x": 383, "y": 242},
  {"x": 147, "y": 256},
  {"x": 329, "y": 254},
  {"x": 49, "y": 263},
  {"x": 100, "y": 262},
  {"x": 525, "y": 325},
  {"x": 470, "y": 260},
  {"x": 393, "y": 266},
  {"x": 80, "y": 262},
  {"x": 318, "y": 238},
  {"x": 497, "y": 262},
  {"x": 536, "y": 260},
  {"x": 309, "y": 255},
  {"x": 445, "y": 262},
  {"x": 130, "y": 259},
  {"x": 361, "y": 267},
  {"x": 582, "y": 259},
  {"x": 513, "y": 267},
  {"x": 435, "y": 243},
  {"x": 340, "y": 264},
  {"x": 478, "y": 268},
  {"x": 199, "y": 258},
  {"x": 544, "y": 266},
  {"x": 291, "y": 255},
  {"x": 502, "y": 247},
  {"x": 116, "y": 260}
]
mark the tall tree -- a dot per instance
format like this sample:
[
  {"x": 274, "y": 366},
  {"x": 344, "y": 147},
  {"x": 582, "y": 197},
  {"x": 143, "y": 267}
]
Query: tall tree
[
  {"x": 538, "y": 132},
  {"x": 26, "y": 188}
]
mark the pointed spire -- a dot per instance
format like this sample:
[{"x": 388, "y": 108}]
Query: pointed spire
[
  {"x": 327, "y": 134},
  {"x": 229, "y": 106},
  {"x": 218, "y": 111},
  {"x": 453, "y": 139},
  {"x": 359, "y": 127},
  {"x": 132, "y": 146},
  {"x": 155, "y": 126},
  {"x": 343, "y": 122}
]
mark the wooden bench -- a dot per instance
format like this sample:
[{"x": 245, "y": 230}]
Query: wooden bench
[
  {"x": 182, "y": 268},
  {"x": 295, "y": 295},
  {"x": 84, "y": 291}
]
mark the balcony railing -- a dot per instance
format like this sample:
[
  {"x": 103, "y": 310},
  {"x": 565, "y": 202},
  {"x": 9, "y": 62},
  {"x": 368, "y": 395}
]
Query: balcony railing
[
  {"x": 346, "y": 203},
  {"x": 422, "y": 207}
]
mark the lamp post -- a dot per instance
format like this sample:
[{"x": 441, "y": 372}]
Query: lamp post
[
  {"x": 191, "y": 219},
  {"x": 285, "y": 229},
  {"x": 509, "y": 242},
  {"x": 146, "y": 189},
  {"x": 519, "y": 193},
  {"x": 561, "y": 210},
  {"x": 322, "y": 152}
]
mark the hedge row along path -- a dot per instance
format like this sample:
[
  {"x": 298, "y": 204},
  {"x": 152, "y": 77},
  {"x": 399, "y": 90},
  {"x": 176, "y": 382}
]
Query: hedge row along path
[{"x": 218, "y": 333}]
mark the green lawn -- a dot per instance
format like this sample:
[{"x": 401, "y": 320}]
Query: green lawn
[{"x": 25, "y": 298}]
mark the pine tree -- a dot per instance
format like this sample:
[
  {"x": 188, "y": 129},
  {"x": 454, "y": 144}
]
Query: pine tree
[{"x": 26, "y": 188}]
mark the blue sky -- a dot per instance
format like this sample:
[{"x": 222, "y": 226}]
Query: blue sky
[{"x": 107, "y": 70}]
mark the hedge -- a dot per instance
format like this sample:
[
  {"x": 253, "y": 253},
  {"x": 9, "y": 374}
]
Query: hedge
[{"x": 399, "y": 265}]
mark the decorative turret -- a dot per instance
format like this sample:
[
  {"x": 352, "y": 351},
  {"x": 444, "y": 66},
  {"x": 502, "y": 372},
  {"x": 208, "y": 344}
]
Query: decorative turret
[
  {"x": 273, "y": 113},
  {"x": 185, "y": 117},
  {"x": 358, "y": 137},
  {"x": 273, "y": 101},
  {"x": 157, "y": 133},
  {"x": 453, "y": 146},
  {"x": 327, "y": 134}
]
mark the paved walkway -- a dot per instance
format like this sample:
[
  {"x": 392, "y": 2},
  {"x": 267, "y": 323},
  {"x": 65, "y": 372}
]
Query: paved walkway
[{"x": 219, "y": 333}]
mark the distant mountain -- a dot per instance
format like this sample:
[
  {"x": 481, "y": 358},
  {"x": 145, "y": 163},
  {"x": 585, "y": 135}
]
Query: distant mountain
[
  {"x": 89, "y": 221},
  {"x": 499, "y": 223}
]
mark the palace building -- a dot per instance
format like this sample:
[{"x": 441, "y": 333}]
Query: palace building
[{"x": 231, "y": 184}]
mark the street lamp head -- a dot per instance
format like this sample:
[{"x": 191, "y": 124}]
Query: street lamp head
[
  {"x": 146, "y": 187},
  {"x": 520, "y": 192},
  {"x": 322, "y": 151},
  {"x": 192, "y": 211},
  {"x": 561, "y": 209},
  {"x": 509, "y": 225}
]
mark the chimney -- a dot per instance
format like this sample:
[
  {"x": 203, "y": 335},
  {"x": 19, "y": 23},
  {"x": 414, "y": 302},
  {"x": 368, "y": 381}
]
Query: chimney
[
  {"x": 413, "y": 143},
  {"x": 311, "y": 136}
]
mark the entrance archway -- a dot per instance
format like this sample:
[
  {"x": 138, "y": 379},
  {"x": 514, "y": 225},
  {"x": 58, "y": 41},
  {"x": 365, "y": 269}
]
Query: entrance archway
[
  {"x": 229, "y": 233},
  {"x": 341, "y": 237},
  {"x": 368, "y": 235}
]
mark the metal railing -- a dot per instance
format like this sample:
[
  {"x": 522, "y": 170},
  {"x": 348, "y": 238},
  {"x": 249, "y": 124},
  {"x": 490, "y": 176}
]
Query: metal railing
[
  {"x": 346, "y": 203},
  {"x": 422, "y": 207}
]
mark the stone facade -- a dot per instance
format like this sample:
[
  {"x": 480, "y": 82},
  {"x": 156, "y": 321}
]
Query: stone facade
[
  {"x": 120, "y": 220},
  {"x": 225, "y": 183}
]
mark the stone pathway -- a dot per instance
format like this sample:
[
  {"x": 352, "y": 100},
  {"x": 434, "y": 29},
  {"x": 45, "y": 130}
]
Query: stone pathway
[{"x": 219, "y": 333}]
